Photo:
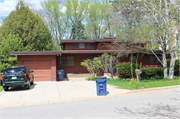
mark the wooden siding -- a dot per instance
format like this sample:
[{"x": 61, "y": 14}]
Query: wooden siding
[
  {"x": 69, "y": 46},
  {"x": 78, "y": 58},
  {"x": 77, "y": 67}
]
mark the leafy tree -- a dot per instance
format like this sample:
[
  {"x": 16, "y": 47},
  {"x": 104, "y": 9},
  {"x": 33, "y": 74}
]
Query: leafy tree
[
  {"x": 93, "y": 66},
  {"x": 157, "y": 21},
  {"x": 126, "y": 14},
  {"x": 9, "y": 43},
  {"x": 98, "y": 13},
  {"x": 109, "y": 63},
  {"x": 56, "y": 21},
  {"x": 105, "y": 61},
  {"x": 164, "y": 29},
  {"x": 75, "y": 14},
  {"x": 31, "y": 30},
  {"x": 78, "y": 31}
]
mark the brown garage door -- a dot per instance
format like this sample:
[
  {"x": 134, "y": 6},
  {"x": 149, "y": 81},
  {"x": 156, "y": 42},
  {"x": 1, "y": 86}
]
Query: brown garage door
[{"x": 42, "y": 69}]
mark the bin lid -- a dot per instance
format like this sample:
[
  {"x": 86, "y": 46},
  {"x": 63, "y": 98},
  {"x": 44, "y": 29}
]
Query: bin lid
[
  {"x": 101, "y": 78},
  {"x": 60, "y": 70}
]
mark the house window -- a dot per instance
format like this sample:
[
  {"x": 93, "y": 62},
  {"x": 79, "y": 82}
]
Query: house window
[
  {"x": 160, "y": 57},
  {"x": 75, "y": 45},
  {"x": 133, "y": 59},
  {"x": 62, "y": 61},
  {"x": 88, "y": 45},
  {"x": 81, "y": 45},
  {"x": 152, "y": 59},
  {"x": 70, "y": 61}
]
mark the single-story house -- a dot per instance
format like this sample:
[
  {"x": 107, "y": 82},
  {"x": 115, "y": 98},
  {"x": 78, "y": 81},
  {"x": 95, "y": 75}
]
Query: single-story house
[{"x": 45, "y": 63}]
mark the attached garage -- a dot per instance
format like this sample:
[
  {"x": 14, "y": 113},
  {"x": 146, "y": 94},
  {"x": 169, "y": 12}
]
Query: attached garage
[
  {"x": 42, "y": 69},
  {"x": 43, "y": 63}
]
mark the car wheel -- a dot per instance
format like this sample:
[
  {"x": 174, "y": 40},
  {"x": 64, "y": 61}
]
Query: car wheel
[
  {"x": 5, "y": 88},
  {"x": 28, "y": 85},
  {"x": 32, "y": 82}
]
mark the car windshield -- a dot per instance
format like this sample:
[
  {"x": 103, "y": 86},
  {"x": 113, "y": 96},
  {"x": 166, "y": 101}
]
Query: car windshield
[{"x": 14, "y": 70}]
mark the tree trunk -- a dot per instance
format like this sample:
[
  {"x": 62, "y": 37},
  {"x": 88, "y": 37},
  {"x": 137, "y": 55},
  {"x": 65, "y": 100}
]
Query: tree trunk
[
  {"x": 171, "y": 69},
  {"x": 173, "y": 55},
  {"x": 165, "y": 66}
]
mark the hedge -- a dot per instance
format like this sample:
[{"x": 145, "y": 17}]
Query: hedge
[
  {"x": 124, "y": 69},
  {"x": 149, "y": 72}
]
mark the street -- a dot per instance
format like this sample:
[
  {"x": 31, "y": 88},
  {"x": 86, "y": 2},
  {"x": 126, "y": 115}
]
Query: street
[{"x": 164, "y": 104}]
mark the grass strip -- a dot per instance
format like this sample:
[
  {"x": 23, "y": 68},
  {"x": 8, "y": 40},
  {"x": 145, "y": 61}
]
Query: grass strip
[
  {"x": 132, "y": 85},
  {"x": 1, "y": 88}
]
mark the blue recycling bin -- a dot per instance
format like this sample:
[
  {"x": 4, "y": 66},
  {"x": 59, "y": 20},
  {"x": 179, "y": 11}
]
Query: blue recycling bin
[
  {"x": 101, "y": 85},
  {"x": 60, "y": 75}
]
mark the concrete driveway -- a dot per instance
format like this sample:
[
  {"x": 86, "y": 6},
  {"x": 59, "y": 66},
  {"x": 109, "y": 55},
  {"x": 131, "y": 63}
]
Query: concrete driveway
[{"x": 54, "y": 92}]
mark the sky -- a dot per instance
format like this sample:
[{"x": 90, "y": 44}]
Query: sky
[{"x": 7, "y": 6}]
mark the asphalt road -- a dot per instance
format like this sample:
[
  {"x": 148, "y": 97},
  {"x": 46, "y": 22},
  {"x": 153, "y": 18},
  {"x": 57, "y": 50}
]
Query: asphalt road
[{"x": 151, "y": 105}]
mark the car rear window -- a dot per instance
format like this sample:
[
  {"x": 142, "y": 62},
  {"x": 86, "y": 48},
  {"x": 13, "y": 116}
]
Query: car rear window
[{"x": 14, "y": 70}]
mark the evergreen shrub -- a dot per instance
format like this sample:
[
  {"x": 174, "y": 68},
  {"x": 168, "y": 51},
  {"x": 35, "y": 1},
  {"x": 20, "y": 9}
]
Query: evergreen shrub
[{"x": 124, "y": 69}]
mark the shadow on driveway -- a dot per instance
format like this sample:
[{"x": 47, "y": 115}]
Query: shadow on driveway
[{"x": 19, "y": 88}]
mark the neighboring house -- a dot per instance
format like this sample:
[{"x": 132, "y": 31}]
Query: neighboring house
[{"x": 45, "y": 63}]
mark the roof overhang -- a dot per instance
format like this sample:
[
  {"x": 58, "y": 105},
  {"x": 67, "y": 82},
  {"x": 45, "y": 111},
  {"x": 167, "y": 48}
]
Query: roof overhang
[
  {"x": 36, "y": 53},
  {"x": 77, "y": 41},
  {"x": 77, "y": 52},
  {"x": 60, "y": 52},
  {"x": 86, "y": 51},
  {"x": 131, "y": 41}
]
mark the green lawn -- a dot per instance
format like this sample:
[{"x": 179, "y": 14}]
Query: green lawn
[
  {"x": 1, "y": 88},
  {"x": 127, "y": 84}
]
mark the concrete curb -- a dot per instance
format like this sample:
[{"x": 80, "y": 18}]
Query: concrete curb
[
  {"x": 97, "y": 97},
  {"x": 147, "y": 90},
  {"x": 156, "y": 89}
]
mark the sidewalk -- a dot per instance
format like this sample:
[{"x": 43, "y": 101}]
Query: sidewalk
[{"x": 63, "y": 91}]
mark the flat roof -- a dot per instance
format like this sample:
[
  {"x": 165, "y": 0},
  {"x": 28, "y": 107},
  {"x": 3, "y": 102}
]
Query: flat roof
[{"x": 35, "y": 53}]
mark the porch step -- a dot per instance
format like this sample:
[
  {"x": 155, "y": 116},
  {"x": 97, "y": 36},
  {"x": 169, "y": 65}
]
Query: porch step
[
  {"x": 71, "y": 75},
  {"x": 78, "y": 79}
]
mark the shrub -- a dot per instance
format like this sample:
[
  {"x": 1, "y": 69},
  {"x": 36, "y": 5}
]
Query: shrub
[
  {"x": 94, "y": 66},
  {"x": 124, "y": 69},
  {"x": 91, "y": 78},
  {"x": 156, "y": 72},
  {"x": 176, "y": 67}
]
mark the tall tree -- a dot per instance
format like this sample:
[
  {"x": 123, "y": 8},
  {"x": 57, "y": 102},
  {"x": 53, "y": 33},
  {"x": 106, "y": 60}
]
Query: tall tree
[
  {"x": 78, "y": 31},
  {"x": 31, "y": 30},
  {"x": 126, "y": 14},
  {"x": 162, "y": 26},
  {"x": 9, "y": 43},
  {"x": 75, "y": 12},
  {"x": 54, "y": 17},
  {"x": 98, "y": 13},
  {"x": 157, "y": 21}
]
